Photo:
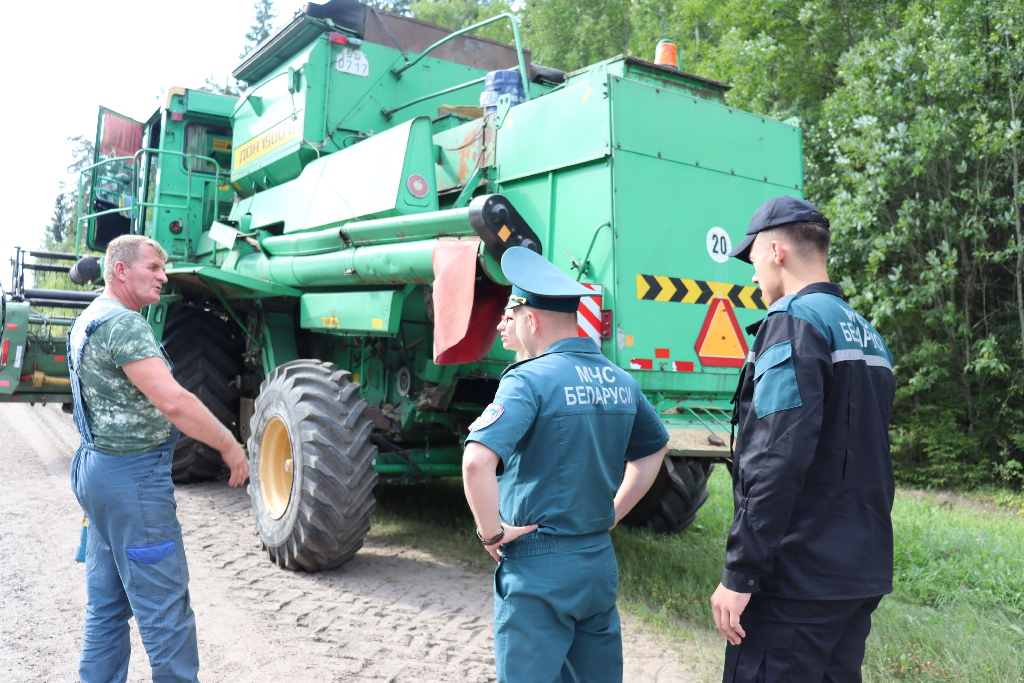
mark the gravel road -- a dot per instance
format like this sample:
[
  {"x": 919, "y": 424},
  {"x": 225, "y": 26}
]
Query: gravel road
[{"x": 392, "y": 614}]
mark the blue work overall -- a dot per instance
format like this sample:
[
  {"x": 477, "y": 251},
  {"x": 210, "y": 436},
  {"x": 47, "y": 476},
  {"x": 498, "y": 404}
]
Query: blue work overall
[{"x": 135, "y": 557}]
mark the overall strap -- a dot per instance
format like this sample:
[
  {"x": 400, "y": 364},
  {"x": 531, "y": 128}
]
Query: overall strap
[{"x": 78, "y": 337}]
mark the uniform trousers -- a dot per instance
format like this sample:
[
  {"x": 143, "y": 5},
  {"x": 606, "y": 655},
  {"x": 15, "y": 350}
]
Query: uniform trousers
[
  {"x": 800, "y": 641},
  {"x": 134, "y": 565},
  {"x": 555, "y": 619}
]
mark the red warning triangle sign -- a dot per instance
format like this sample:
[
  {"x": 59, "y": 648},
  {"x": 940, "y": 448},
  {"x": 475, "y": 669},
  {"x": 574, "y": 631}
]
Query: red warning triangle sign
[{"x": 720, "y": 343}]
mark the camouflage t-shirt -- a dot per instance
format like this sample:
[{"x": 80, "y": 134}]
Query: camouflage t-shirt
[{"x": 123, "y": 421}]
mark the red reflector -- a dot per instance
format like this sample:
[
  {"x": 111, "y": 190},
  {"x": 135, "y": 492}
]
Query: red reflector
[
  {"x": 4, "y": 383},
  {"x": 12, "y": 326},
  {"x": 59, "y": 359},
  {"x": 662, "y": 353},
  {"x": 641, "y": 364},
  {"x": 337, "y": 38},
  {"x": 3, "y": 351},
  {"x": 683, "y": 366}
]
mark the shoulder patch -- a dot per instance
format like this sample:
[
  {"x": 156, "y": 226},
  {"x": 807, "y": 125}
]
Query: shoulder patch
[{"x": 488, "y": 417}]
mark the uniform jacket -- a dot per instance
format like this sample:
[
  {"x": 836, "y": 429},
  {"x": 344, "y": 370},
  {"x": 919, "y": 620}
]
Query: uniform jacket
[
  {"x": 813, "y": 482},
  {"x": 563, "y": 424}
]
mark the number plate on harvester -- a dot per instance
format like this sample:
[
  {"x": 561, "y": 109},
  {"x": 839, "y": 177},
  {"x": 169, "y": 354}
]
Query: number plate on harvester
[{"x": 352, "y": 62}]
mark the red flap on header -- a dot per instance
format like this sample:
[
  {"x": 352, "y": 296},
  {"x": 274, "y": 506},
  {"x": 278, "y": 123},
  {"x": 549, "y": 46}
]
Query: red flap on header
[{"x": 467, "y": 308}]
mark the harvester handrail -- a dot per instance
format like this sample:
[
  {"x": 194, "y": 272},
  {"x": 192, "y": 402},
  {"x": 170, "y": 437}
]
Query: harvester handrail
[
  {"x": 136, "y": 160},
  {"x": 515, "y": 31},
  {"x": 388, "y": 112}
]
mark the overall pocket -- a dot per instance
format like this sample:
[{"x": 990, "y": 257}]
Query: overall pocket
[{"x": 154, "y": 568}]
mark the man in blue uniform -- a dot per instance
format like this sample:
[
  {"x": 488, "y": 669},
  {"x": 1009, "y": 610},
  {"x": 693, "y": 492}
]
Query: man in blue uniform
[
  {"x": 809, "y": 554},
  {"x": 578, "y": 445}
]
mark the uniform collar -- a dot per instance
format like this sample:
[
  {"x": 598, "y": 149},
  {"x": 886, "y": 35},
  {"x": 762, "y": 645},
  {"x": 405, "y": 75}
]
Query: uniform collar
[
  {"x": 822, "y": 287},
  {"x": 783, "y": 303},
  {"x": 567, "y": 345},
  {"x": 573, "y": 345}
]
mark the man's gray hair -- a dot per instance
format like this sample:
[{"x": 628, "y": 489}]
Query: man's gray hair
[{"x": 128, "y": 250}]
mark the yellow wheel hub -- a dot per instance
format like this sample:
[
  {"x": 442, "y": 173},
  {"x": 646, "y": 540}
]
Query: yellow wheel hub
[{"x": 275, "y": 468}]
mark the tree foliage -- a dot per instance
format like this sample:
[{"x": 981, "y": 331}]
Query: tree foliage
[
  {"x": 63, "y": 206},
  {"x": 924, "y": 181},
  {"x": 458, "y": 14},
  {"x": 396, "y": 6},
  {"x": 262, "y": 25},
  {"x": 568, "y": 34}
]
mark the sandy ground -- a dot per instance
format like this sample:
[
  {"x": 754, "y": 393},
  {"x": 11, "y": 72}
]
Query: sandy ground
[{"x": 392, "y": 614}]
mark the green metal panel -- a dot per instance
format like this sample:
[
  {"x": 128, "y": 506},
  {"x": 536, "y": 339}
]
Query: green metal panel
[
  {"x": 664, "y": 213},
  {"x": 44, "y": 353},
  {"x": 552, "y": 205},
  {"x": 268, "y": 126},
  {"x": 219, "y": 107},
  {"x": 278, "y": 340},
  {"x": 692, "y": 131},
  {"x": 370, "y": 313},
  {"x": 15, "y": 336},
  {"x": 556, "y": 131},
  {"x": 369, "y": 180}
]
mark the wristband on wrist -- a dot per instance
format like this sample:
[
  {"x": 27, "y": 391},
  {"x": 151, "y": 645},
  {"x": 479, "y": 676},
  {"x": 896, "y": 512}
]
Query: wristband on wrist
[{"x": 491, "y": 541}]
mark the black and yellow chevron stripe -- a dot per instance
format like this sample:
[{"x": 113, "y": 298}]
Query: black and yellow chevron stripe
[{"x": 685, "y": 291}]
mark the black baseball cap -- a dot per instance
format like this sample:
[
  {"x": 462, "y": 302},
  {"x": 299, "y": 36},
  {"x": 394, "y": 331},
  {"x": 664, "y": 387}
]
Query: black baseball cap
[{"x": 776, "y": 212}]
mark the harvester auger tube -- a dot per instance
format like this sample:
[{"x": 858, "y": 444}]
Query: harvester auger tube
[{"x": 366, "y": 252}]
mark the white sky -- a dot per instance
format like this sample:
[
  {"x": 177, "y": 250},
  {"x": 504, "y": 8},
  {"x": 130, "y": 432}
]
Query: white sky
[{"x": 62, "y": 59}]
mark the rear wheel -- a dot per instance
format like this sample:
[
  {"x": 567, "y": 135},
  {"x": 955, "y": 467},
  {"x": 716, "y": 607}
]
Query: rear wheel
[
  {"x": 311, "y": 466},
  {"x": 679, "y": 490},
  {"x": 206, "y": 361}
]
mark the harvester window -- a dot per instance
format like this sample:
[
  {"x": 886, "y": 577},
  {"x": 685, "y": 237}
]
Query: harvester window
[{"x": 202, "y": 140}]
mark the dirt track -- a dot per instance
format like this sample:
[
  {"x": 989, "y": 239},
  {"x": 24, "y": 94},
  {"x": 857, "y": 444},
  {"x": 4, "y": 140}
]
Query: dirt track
[{"x": 392, "y": 614}]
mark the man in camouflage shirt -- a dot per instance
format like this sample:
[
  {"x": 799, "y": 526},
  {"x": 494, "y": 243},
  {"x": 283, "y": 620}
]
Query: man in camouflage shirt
[{"x": 129, "y": 410}]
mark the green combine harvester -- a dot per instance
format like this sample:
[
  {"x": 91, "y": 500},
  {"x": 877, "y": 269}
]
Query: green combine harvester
[{"x": 334, "y": 238}]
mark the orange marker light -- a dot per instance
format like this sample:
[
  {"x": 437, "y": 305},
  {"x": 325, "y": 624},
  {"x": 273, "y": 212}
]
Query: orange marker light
[{"x": 665, "y": 54}]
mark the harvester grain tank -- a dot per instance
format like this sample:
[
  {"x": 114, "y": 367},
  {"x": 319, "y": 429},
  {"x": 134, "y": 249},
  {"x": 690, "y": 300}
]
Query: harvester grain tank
[{"x": 335, "y": 233}]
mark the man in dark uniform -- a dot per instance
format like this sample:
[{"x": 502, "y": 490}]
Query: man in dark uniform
[
  {"x": 578, "y": 445},
  {"x": 810, "y": 550}
]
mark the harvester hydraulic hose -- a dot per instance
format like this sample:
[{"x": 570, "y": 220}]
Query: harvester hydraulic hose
[{"x": 408, "y": 458}]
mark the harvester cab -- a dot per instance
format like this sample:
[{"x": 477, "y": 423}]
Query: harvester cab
[
  {"x": 334, "y": 294},
  {"x": 166, "y": 178}
]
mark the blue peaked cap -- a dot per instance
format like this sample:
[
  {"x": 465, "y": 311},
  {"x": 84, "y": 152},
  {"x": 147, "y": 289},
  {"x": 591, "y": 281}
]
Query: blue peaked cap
[{"x": 538, "y": 283}]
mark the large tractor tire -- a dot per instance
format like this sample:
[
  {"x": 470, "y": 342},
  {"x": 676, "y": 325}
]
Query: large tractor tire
[
  {"x": 311, "y": 466},
  {"x": 677, "y": 493},
  {"x": 206, "y": 357}
]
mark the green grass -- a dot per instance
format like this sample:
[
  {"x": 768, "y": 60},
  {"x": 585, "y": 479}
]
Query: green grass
[{"x": 957, "y": 612}]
